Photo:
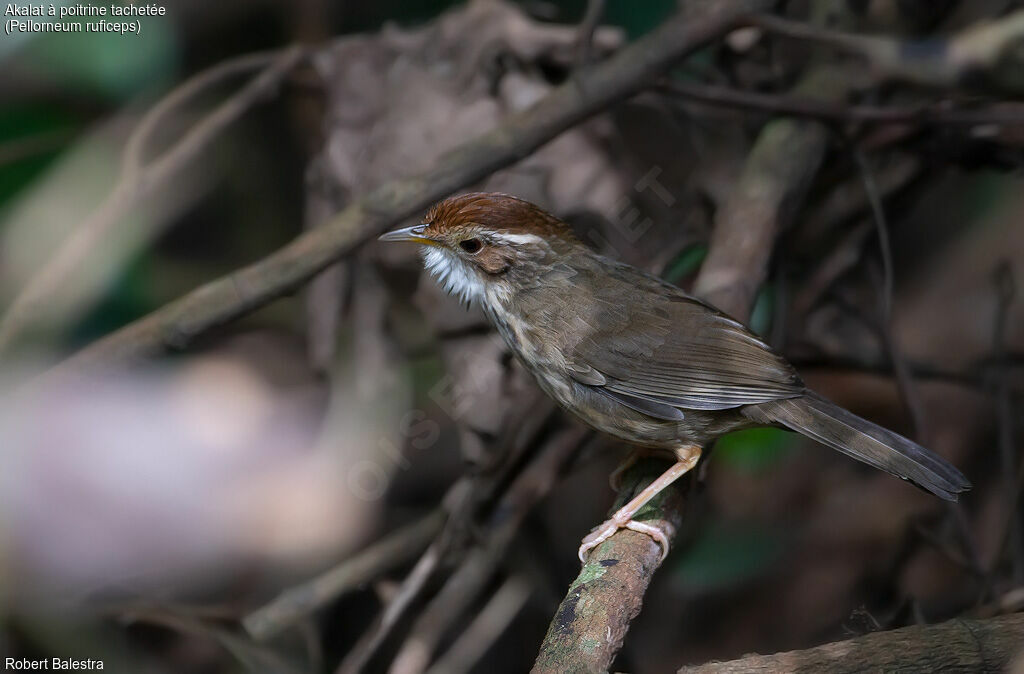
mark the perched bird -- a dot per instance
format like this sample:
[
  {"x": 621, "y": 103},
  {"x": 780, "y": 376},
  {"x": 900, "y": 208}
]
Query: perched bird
[{"x": 634, "y": 356}]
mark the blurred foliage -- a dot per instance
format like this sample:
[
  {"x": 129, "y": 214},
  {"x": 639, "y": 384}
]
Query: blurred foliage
[
  {"x": 686, "y": 264},
  {"x": 103, "y": 65},
  {"x": 726, "y": 554},
  {"x": 131, "y": 295},
  {"x": 20, "y": 123},
  {"x": 764, "y": 309},
  {"x": 755, "y": 450}
]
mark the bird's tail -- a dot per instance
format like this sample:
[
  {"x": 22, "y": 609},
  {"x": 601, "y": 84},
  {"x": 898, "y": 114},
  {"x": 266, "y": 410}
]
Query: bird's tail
[{"x": 842, "y": 430}]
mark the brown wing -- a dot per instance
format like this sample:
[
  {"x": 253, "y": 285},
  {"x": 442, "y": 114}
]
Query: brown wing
[{"x": 662, "y": 349}]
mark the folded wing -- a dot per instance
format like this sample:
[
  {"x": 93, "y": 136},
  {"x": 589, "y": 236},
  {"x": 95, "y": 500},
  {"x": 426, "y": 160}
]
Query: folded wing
[{"x": 676, "y": 352}]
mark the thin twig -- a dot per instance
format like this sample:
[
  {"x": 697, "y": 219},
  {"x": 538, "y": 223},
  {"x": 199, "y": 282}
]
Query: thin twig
[
  {"x": 1012, "y": 540},
  {"x": 936, "y": 61},
  {"x": 585, "y": 94},
  {"x": 844, "y": 203},
  {"x": 904, "y": 378},
  {"x": 486, "y": 628},
  {"x": 534, "y": 482},
  {"x": 463, "y": 501},
  {"x": 585, "y": 36},
  {"x": 138, "y": 182},
  {"x": 882, "y": 225},
  {"x": 456, "y": 501},
  {"x": 298, "y": 602},
  {"x": 411, "y": 588},
  {"x": 998, "y": 113},
  {"x": 133, "y": 159},
  {"x": 922, "y": 370}
]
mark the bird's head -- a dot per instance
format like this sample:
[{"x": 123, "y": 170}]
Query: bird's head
[{"x": 483, "y": 245}]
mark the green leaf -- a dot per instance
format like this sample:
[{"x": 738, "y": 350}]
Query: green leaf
[
  {"x": 764, "y": 307},
  {"x": 685, "y": 263}
]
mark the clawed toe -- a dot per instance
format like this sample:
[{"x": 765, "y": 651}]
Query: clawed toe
[
  {"x": 660, "y": 536},
  {"x": 606, "y": 530},
  {"x": 596, "y": 537}
]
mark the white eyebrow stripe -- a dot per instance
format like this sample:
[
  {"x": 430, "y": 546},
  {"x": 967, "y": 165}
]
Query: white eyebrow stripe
[{"x": 517, "y": 238}]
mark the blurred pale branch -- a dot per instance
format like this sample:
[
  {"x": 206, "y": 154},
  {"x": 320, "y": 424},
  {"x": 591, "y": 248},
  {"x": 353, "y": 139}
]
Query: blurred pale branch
[
  {"x": 584, "y": 42},
  {"x": 471, "y": 577},
  {"x": 298, "y": 602},
  {"x": 141, "y": 179},
  {"x": 486, "y": 628}
]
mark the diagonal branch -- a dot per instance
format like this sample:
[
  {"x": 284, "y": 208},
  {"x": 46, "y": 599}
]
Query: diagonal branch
[
  {"x": 139, "y": 181},
  {"x": 301, "y": 601},
  {"x": 586, "y": 94}
]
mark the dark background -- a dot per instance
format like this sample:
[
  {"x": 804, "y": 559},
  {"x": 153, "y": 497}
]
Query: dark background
[{"x": 143, "y": 516}]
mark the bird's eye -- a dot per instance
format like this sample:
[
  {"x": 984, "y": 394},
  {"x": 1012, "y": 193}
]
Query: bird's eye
[{"x": 471, "y": 246}]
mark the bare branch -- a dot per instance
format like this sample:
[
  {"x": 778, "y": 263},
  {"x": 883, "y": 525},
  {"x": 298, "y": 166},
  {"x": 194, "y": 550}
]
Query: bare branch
[
  {"x": 942, "y": 112},
  {"x": 470, "y": 579},
  {"x": 593, "y": 619},
  {"x": 485, "y": 629},
  {"x": 777, "y": 173},
  {"x": 984, "y": 53},
  {"x": 585, "y": 39},
  {"x": 298, "y": 602},
  {"x": 139, "y": 182},
  {"x": 135, "y": 148},
  {"x": 408, "y": 592},
  {"x": 981, "y": 646}
]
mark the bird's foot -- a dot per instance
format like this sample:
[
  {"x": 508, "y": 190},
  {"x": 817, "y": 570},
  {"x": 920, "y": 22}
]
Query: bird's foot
[{"x": 661, "y": 535}]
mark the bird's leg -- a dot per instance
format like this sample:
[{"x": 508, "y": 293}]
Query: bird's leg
[{"x": 686, "y": 458}]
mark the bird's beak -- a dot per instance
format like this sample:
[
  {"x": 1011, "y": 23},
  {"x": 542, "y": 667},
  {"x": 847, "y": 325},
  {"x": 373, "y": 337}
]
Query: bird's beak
[{"x": 413, "y": 234}]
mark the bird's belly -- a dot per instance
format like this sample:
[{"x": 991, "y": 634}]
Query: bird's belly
[{"x": 608, "y": 416}]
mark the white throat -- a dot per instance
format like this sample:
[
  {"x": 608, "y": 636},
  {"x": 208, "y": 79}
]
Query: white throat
[{"x": 454, "y": 275}]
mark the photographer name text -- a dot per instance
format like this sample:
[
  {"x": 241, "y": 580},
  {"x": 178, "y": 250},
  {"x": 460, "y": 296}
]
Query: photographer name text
[{"x": 50, "y": 664}]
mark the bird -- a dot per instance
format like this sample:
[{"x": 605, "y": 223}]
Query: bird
[{"x": 634, "y": 356}]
